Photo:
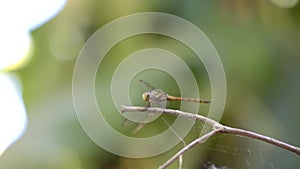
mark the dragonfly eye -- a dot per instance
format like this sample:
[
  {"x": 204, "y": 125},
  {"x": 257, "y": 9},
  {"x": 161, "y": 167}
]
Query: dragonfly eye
[{"x": 146, "y": 96}]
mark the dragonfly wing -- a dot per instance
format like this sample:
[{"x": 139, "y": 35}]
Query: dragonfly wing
[
  {"x": 158, "y": 98},
  {"x": 138, "y": 127},
  {"x": 126, "y": 123},
  {"x": 146, "y": 86}
]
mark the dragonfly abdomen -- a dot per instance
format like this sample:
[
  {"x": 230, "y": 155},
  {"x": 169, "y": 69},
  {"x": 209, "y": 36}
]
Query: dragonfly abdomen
[{"x": 173, "y": 98}]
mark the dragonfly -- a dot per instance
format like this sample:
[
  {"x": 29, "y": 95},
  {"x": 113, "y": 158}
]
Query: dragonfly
[{"x": 158, "y": 98}]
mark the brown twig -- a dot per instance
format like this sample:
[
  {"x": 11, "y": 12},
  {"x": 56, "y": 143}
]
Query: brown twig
[
  {"x": 216, "y": 128},
  {"x": 188, "y": 147}
]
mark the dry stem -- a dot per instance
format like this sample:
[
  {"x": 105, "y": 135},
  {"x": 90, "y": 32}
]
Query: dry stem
[{"x": 216, "y": 128}]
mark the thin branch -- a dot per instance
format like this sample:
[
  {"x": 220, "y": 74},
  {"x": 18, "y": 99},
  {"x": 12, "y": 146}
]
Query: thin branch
[
  {"x": 170, "y": 112},
  {"x": 180, "y": 162},
  {"x": 188, "y": 147},
  {"x": 180, "y": 158},
  {"x": 262, "y": 138},
  {"x": 216, "y": 128}
]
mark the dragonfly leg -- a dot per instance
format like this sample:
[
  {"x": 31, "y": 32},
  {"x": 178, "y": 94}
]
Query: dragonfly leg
[{"x": 146, "y": 107}]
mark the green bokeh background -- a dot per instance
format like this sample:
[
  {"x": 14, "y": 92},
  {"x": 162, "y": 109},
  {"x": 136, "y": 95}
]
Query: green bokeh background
[{"x": 258, "y": 43}]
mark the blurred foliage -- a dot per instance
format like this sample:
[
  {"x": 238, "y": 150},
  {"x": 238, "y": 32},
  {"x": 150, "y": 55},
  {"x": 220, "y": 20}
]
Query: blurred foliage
[{"x": 257, "y": 41}]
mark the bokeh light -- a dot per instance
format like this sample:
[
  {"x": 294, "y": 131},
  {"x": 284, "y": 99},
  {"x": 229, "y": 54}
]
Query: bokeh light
[
  {"x": 17, "y": 19},
  {"x": 13, "y": 119},
  {"x": 285, "y": 3}
]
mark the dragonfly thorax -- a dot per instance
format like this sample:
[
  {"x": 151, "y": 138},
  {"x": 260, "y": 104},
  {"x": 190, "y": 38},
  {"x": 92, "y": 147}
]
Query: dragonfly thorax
[{"x": 146, "y": 96}]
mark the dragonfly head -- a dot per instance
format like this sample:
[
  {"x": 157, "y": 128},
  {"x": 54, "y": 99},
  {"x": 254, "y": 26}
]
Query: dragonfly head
[{"x": 146, "y": 96}]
